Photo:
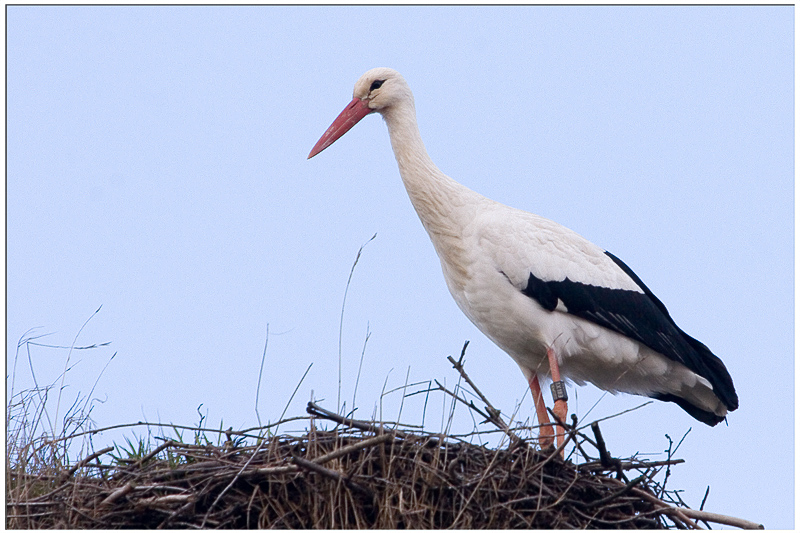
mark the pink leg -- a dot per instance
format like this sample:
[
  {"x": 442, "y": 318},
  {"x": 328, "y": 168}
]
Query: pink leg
[
  {"x": 560, "y": 406},
  {"x": 545, "y": 429}
]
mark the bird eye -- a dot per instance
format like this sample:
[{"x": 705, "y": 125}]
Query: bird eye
[{"x": 376, "y": 84}]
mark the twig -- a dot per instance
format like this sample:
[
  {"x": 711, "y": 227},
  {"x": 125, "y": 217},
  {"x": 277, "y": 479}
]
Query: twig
[
  {"x": 25, "y": 339},
  {"x": 669, "y": 451},
  {"x": 185, "y": 507},
  {"x": 605, "y": 458},
  {"x": 261, "y": 372},
  {"x": 459, "y": 365},
  {"x": 341, "y": 318},
  {"x": 43, "y": 498},
  {"x": 686, "y": 514},
  {"x": 100, "y": 375},
  {"x": 293, "y": 394},
  {"x": 622, "y": 492},
  {"x": 705, "y": 497},
  {"x": 666, "y": 508},
  {"x": 721, "y": 519},
  {"x": 155, "y": 452},
  {"x": 90, "y": 347},
  {"x": 85, "y": 460},
  {"x": 469, "y": 404},
  {"x": 163, "y": 500},
  {"x": 360, "y": 364},
  {"x": 344, "y": 450},
  {"x": 492, "y": 414},
  {"x": 66, "y": 367},
  {"x": 117, "y": 494},
  {"x": 402, "y": 398},
  {"x": 615, "y": 415},
  {"x": 243, "y": 433},
  {"x": 314, "y": 467},
  {"x": 596, "y": 466},
  {"x": 272, "y": 470},
  {"x": 496, "y": 421},
  {"x": 315, "y": 410}
]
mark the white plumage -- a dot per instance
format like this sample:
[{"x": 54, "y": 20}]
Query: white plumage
[{"x": 532, "y": 285}]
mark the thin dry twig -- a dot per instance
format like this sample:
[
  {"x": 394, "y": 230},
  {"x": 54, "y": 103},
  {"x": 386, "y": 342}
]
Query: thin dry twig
[
  {"x": 491, "y": 413},
  {"x": 314, "y": 467},
  {"x": 83, "y": 462},
  {"x": 341, "y": 317}
]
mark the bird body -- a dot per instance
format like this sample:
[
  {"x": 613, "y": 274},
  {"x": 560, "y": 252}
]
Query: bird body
[{"x": 533, "y": 286}]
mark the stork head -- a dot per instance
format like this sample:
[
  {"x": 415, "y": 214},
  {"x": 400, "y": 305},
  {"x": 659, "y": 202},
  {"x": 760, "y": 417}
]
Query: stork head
[
  {"x": 378, "y": 90},
  {"x": 381, "y": 88}
]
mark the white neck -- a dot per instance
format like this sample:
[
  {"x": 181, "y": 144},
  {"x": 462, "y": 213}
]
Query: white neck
[{"x": 440, "y": 201}]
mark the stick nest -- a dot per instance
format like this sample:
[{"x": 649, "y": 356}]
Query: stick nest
[{"x": 356, "y": 476}]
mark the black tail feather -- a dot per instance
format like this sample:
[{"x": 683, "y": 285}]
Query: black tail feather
[
  {"x": 716, "y": 373},
  {"x": 702, "y": 415}
]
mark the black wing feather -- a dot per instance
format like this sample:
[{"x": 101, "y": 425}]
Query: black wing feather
[{"x": 640, "y": 316}]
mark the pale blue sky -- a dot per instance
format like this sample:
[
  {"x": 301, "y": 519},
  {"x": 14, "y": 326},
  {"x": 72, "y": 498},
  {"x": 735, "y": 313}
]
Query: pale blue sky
[{"x": 157, "y": 167}]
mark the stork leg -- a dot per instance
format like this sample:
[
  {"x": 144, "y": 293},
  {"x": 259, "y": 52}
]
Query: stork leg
[
  {"x": 545, "y": 429},
  {"x": 559, "y": 395}
]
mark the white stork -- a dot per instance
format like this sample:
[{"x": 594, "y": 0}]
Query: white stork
[{"x": 556, "y": 303}]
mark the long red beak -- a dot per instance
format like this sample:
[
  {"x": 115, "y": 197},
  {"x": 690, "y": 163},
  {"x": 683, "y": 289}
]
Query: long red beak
[{"x": 355, "y": 111}]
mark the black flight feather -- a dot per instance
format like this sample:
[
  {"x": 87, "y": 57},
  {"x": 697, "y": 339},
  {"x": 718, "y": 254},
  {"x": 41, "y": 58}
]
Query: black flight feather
[{"x": 642, "y": 317}]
